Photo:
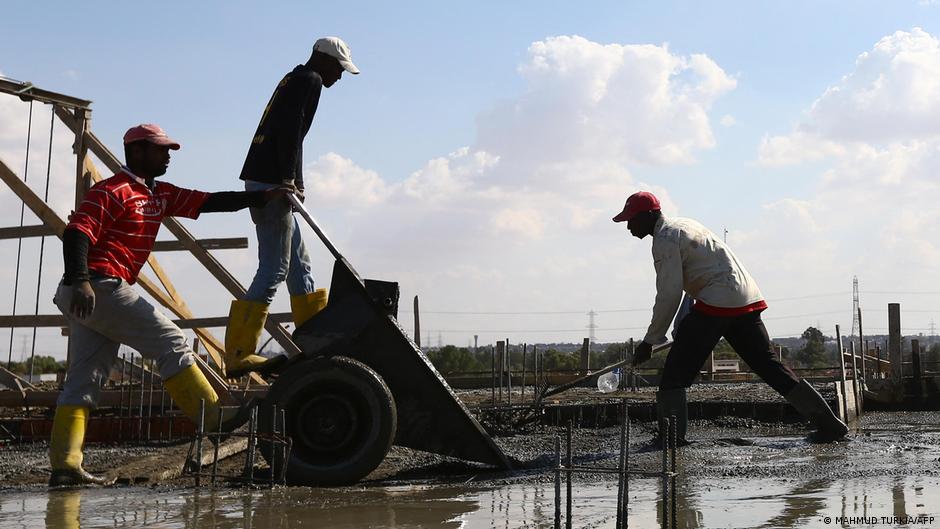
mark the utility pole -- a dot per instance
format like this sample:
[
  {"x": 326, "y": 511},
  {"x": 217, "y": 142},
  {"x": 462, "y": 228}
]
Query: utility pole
[
  {"x": 591, "y": 326},
  {"x": 726, "y": 235}
]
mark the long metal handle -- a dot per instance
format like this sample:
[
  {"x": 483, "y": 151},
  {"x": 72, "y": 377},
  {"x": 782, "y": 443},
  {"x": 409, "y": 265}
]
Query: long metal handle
[{"x": 298, "y": 205}]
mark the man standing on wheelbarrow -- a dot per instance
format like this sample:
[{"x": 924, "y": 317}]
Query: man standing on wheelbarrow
[
  {"x": 274, "y": 159},
  {"x": 727, "y": 303}
]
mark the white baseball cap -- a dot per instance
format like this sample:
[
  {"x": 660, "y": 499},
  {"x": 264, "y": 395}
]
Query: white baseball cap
[{"x": 336, "y": 48}]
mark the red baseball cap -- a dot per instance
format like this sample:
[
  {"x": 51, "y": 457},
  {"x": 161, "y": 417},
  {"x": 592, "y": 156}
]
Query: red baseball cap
[
  {"x": 152, "y": 133},
  {"x": 640, "y": 202}
]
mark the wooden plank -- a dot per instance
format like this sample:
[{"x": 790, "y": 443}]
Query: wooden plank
[
  {"x": 108, "y": 398},
  {"x": 58, "y": 320},
  {"x": 14, "y": 381},
  {"x": 26, "y": 91},
  {"x": 38, "y": 230},
  {"x": 49, "y": 217},
  {"x": 227, "y": 243}
]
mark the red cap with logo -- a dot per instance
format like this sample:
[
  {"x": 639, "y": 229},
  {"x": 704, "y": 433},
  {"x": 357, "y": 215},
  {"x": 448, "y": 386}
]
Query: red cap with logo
[
  {"x": 152, "y": 133},
  {"x": 640, "y": 202}
]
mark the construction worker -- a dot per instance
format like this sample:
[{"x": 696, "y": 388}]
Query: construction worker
[
  {"x": 105, "y": 244},
  {"x": 275, "y": 158},
  {"x": 727, "y": 303}
]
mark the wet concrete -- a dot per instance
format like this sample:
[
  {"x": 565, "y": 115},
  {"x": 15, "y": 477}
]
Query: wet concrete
[{"x": 738, "y": 473}]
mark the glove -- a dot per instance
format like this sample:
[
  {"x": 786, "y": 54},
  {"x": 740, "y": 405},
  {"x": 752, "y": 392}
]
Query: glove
[{"x": 642, "y": 353}]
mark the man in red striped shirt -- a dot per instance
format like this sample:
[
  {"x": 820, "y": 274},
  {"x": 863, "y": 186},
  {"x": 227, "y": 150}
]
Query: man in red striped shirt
[
  {"x": 727, "y": 303},
  {"x": 107, "y": 241}
]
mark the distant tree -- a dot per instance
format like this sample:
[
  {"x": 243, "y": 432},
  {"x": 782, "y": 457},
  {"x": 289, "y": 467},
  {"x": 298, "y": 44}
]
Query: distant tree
[
  {"x": 724, "y": 350},
  {"x": 452, "y": 359},
  {"x": 813, "y": 352},
  {"x": 44, "y": 364},
  {"x": 554, "y": 360}
]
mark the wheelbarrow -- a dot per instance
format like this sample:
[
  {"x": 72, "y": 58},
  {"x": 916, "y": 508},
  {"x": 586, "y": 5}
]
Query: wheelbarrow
[{"x": 360, "y": 385}]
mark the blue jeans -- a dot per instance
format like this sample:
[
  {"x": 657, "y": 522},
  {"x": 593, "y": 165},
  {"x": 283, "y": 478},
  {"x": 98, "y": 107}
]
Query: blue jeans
[{"x": 282, "y": 254}]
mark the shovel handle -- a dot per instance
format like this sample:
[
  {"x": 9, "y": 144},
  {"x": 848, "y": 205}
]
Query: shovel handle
[{"x": 299, "y": 207}]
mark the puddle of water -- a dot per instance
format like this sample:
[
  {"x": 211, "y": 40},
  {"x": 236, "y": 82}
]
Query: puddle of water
[{"x": 717, "y": 502}]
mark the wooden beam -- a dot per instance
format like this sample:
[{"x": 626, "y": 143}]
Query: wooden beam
[
  {"x": 38, "y": 230},
  {"x": 228, "y": 243},
  {"x": 49, "y": 217},
  {"x": 58, "y": 320},
  {"x": 14, "y": 381},
  {"x": 107, "y": 398},
  {"x": 26, "y": 91}
]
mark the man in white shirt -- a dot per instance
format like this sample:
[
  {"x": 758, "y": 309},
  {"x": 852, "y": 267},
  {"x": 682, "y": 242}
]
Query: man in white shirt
[{"x": 727, "y": 303}]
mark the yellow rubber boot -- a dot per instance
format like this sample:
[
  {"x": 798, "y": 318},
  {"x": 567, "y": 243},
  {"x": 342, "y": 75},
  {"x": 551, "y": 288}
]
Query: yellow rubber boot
[
  {"x": 65, "y": 449},
  {"x": 245, "y": 322},
  {"x": 189, "y": 387},
  {"x": 305, "y": 306}
]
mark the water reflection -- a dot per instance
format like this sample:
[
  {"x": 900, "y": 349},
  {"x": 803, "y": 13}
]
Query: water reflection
[
  {"x": 63, "y": 509},
  {"x": 715, "y": 502}
]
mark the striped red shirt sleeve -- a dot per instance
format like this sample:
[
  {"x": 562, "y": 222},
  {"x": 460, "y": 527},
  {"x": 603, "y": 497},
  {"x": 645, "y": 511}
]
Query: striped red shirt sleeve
[{"x": 182, "y": 202}]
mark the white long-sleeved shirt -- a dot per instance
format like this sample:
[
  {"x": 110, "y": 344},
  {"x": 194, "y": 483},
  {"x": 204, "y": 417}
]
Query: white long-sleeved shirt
[{"x": 689, "y": 257}]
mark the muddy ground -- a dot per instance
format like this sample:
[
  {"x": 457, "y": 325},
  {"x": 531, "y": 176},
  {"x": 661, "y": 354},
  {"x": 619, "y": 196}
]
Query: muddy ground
[{"x": 881, "y": 444}]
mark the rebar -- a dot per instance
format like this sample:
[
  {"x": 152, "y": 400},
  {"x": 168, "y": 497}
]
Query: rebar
[
  {"x": 200, "y": 429},
  {"x": 568, "y": 476},
  {"x": 273, "y": 451},
  {"x": 250, "y": 455},
  {"x": 215, "y": 450},
  {"x": 557, "y": 482}
]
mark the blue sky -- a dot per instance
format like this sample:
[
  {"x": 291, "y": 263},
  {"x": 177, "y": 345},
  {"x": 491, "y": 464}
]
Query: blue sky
[{"x": 440, "y": 76}]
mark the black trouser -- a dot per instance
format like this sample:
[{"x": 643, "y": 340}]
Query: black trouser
[{"x": 699, "y": 333}]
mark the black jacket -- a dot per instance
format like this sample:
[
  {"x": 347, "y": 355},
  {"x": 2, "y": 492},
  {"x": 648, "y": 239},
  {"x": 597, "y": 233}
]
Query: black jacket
[{"x": 276, "y": 152}]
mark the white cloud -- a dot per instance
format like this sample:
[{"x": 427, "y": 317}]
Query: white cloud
[
  {"x": 876, "y": 137},
  {"x": 728, "y": 120},
  {"x": 339, "y": 181}
]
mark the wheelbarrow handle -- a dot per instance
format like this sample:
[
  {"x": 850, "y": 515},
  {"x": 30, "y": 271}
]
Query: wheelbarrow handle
[{"x": 299, "y": 207}]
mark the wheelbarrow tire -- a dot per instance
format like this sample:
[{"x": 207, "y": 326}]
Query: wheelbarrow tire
[{"x": 340, "y": 416}]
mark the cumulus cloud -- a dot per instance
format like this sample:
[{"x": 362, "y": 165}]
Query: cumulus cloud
[
  {"x": 874, "y": 136},
  {"x": 890, "y": 97},
  {"x": 341, "y": 182}
]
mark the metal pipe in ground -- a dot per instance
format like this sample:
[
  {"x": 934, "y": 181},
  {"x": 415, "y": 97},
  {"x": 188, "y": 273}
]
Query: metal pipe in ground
[
  {"x": 250, "y": 452},
  {"x": 200, "y": 429},
  {"x": 140, "y": 406},
  {"x": 673, "y": 443},
  {"x": 285, "y": 448},
  {"x": 215, "y": 450},
  {"x": 150, "y": 400},
  {"x": 120, "y": 410},
  {"x": 665, "y": 471},
  {"x": 557, "y": 482},
  {"x": 622, "y": 466},
  {"x": 273, "y": 451},
  {"x": 568, "y": 477}
]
